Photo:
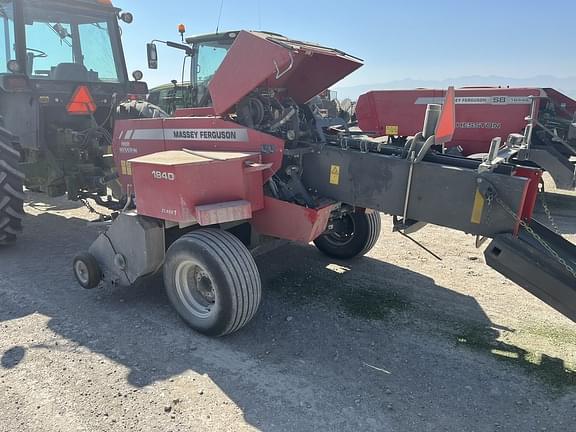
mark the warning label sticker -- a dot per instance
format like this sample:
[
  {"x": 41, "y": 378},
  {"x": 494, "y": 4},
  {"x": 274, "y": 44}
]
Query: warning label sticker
[
  {"x": 392, "y": 130},
  {"x": 335, "y": 174}
]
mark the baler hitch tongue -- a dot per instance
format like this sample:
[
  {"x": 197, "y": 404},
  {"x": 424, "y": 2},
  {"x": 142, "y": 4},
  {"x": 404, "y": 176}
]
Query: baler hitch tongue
[{"x": 541, "y": 262}]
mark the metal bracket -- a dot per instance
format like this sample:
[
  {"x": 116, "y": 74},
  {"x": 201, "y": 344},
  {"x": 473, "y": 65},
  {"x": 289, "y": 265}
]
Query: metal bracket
[{"x": 409, "y": 186}]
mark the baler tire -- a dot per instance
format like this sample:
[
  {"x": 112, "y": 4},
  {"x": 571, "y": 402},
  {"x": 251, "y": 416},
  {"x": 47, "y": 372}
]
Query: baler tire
[
  {"x": 226, "y": 289},
  {"x": 139, "y": 109},
  {"x": 11, "y": 190},
  {"x": 366, "y": 231},
  {"x": 86, "y": 270}
]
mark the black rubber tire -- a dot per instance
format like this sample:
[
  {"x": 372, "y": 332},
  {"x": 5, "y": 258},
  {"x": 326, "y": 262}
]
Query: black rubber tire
[
  {"x": 221, "y": 259},
  {"x": 11, "y": 189},
  {"x": 365, "y": 234},
  {"x": 138, "y": 109},
  {"x": 92, "y": 275}
]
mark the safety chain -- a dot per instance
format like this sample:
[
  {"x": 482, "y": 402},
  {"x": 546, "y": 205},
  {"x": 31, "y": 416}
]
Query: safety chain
[
  {"x": 93, "y": 210},
  {"x": 537, "y": 237},
  {"x": 489, "y": 198},
  {"x": 546, "y": 208}
]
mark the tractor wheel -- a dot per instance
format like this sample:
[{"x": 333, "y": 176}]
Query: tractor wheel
[
  {"x": 11, "y": 191},
  {"x": 353, "y": 235},
  {"x": 87, "y": 270},
  {"x": 139, "y": 109},
  {"x": 212, "y": 281}
]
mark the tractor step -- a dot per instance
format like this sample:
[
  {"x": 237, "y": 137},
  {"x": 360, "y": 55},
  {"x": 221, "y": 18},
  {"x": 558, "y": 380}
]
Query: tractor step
[{"x": 527, "y": 261}]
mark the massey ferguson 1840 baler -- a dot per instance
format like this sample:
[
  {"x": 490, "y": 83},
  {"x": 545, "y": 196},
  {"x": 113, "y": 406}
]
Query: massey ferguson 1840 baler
[
  {"x": 544, "y": 116},
  {"x": 251, "y": 162}
]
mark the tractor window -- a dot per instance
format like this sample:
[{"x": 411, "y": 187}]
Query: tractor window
[
  {"x": 97, "y": 50},
  {"x": 209, "y": 60},
  {"x": 209, "y": 57},
  {"x": 7, "y": 51},
  {"x": 69, "y": 46}
]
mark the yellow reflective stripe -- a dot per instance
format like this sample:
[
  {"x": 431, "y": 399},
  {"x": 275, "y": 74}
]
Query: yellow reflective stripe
[{"x": 478, "y": 208}]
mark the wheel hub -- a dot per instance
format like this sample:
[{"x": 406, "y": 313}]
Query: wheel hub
[
  {"x": 343, "y": 231},
  {"x": 195, "y": 288},
  {"x": 82, "y": 272}
]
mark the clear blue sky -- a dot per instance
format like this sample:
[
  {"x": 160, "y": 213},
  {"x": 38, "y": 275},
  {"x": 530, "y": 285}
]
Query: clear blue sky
[{"x": 397, "y": 39}]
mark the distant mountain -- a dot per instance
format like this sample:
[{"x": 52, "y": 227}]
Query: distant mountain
[{"x": 565, "y": 85}]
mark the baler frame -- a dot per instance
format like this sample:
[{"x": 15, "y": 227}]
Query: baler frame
[{"x": 216, "y": 181}]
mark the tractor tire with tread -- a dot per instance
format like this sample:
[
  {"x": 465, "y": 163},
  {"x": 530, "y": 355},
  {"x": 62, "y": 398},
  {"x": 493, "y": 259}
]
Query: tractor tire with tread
[
  {"x": 212, "y": 281},
  {"x": 11, "y": 189},
  {"x": 138, "y": 109},
  {"x": 362, "y": 233}
]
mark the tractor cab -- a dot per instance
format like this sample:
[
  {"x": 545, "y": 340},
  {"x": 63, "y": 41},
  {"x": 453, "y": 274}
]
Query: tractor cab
[
  {"x": 62, "y": 41},
  {"x": 206, "y": 54},
  {"x": 62, "y": 73}
]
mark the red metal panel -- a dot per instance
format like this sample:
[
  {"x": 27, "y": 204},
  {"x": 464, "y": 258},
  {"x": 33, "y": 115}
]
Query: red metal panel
[
  {"x": 128, "y": 144},
  {"x": 133, "y": 138},
  {"x": 212, "y": 214},
  {"x": 262, "y": 60},
  {"x": 312, "y": 73},
  {"x": 481, "y": 113},
  {"x": 213, "y": 133},
  {"x": 171, "y": 185},
  {"x": 531, "y": 194},
  {"x": 249, "y": 62},
  {"x": 289, "y": 221}
]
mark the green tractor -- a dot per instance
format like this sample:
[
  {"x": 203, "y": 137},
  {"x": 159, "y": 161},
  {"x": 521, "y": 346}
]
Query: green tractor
[
  {"x": 172, "y": 96},
  {"x": 63, "y": 81}
]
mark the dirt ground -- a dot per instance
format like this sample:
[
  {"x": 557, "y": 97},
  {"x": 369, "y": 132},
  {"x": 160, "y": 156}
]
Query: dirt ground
[{"x": 396, "y": 341}]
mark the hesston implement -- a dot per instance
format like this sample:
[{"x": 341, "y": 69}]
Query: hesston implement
[
  {"x": 539, "y": 124},
  {"x": 251, "y": 162}
]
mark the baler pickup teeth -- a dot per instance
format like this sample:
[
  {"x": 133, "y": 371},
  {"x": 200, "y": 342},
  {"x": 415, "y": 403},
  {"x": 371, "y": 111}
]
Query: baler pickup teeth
[{"x": 541, "y": 262}]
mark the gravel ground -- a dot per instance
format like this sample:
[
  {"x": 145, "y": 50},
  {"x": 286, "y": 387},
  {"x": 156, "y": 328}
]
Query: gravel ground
[{"x": 396, "y": 341}]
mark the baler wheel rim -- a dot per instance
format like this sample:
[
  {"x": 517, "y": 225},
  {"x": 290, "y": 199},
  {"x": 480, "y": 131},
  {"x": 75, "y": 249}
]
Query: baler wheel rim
[
  {"x": 338, "y": 239},
  {"x": 86, "y": 270},
  {"x": 363, "y": 238},
  {"x": 191, "y": 279}
]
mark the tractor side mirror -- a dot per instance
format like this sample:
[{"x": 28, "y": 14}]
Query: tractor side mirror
[{"x": 152, "y": 56}]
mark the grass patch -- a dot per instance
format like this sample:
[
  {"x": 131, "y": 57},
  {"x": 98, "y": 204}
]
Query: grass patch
[
  {"x": 371, "y": 304},
  {"x": 556, "y": 335},
  {"x": 300, "y": 287},
  {"x": 365, "y": 300}
]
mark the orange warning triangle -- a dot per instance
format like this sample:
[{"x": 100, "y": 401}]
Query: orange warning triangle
[{"x": 81, "y": 102}]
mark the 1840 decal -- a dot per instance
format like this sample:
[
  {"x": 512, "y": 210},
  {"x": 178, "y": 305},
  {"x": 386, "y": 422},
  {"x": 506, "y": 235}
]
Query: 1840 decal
[{"x": 163, "y": 175}]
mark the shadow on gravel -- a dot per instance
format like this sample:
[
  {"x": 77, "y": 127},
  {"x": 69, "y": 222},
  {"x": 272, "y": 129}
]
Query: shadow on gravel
[
  {"x": 550, "y": 370},
  {"x": 354, "y": 331},
  {"x": 393, "y": 294}
]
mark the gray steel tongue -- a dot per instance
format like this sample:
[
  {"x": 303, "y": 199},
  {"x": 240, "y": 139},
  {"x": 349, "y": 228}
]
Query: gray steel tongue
[{"x": 541, "y": 262}]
